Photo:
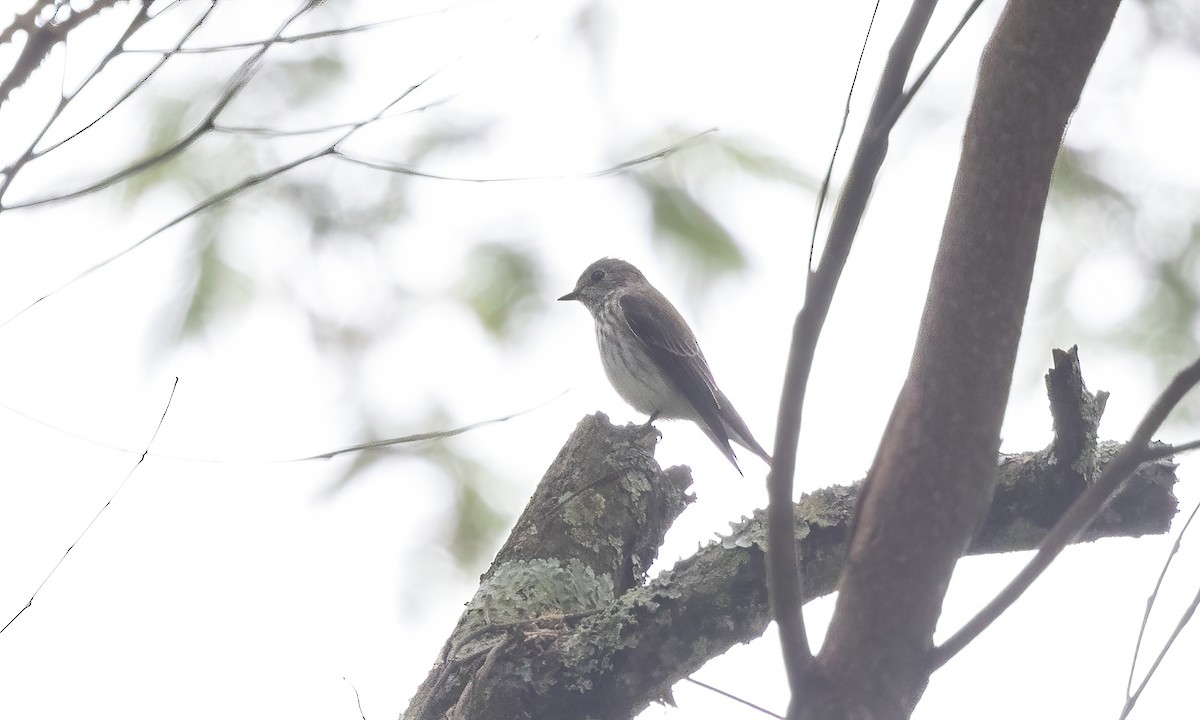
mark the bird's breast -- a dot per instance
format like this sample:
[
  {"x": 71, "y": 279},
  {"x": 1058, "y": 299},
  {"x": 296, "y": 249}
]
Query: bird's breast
[{"x": 635, "y": 376}]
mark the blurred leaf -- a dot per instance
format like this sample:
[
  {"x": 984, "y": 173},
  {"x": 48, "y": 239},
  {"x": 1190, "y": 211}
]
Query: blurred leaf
[
  {"x": 595, "y": 24},
  {"x": 219, "y": 287},
  {"x": 446, "y": 136},
  {"x": 297, "y": 81},
  {"x": 478, "y": 524},
  {"x": 681, "y": 219},
  {"x": 1103, "y": 211},
  {"x": 472, "y": 524},
  {"x": 1164, "y": 325},
  {"x": 761, "y": 162},
  {"x": 165, "y": 131},
  {"x": 1176, "y": 21},
  {"x": 1076, "y": 181},
  {"x": 501, "y": 285}
]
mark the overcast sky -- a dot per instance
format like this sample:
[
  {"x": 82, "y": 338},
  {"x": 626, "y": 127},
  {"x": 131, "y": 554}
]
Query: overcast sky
[{"x": 223, "y": 583}]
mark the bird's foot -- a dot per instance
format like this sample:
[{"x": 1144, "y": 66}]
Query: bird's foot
[{"x": 650, "y": 424}]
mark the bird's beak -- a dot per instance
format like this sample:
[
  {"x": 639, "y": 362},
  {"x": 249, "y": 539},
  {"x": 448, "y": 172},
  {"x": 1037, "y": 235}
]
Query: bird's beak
[{"x": 573, "y": 295}]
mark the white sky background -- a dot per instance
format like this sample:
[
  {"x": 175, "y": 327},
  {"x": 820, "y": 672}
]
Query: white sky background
[{"x": 239, "y": 588}]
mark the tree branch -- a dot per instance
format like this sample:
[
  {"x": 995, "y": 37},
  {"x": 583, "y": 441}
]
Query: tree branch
[
  {"x": 237, "y": 82},
  {"x": 784, "y": 570},
  {"x": 526, "y": 643},
  {"x": 1080, "y": 514},
  {"x": 41, "y": 39},
  {"x": 1131, "y": 695},
  {"x": 588, "y": 535},
  {"x": 934, "y": 473}
]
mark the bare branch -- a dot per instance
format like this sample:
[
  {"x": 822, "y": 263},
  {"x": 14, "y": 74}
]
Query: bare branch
[
  {"x": 1131, "y": 698},
  {"x": 782, "y": 565},
  {"x": 24, "y": 22},
  {"x": 41, "y": 39},
  {"x": 133, "y": 87},
  {"x": 420, "y": 437},
  {"x": 1181, "y": 448},
  {"x": 837, "y": 144},
  {"x": 629, "y": 649},
  {"x": 207, "y": 204},
  {"x": 932, "y": 477},
  {"x": 99, "y": 512},
  {"x": 10, "y": 172},
  {"x": 262, "y": 131},
  {"x": 735, "y": 698},
  {"x": 617, "y": 169},
  {"x": 1079, "y": 516},
  {"x": 303, "y": 37},
  {"x": 901, "y": 104},
  {"x": 237, "y": 82},
  {"x": 218, "y": 198}
]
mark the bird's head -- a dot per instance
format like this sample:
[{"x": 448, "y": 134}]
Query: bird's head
[{"x": 601, "y": 280}]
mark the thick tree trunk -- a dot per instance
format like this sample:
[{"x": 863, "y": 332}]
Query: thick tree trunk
[{"x": 934, "y": 472}]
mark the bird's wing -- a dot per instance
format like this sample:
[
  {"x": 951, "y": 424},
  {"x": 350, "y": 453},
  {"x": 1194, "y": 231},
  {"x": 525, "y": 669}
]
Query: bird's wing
[
  {"x": 662, "y": 329},
  {"x": 672, "y": 346}
]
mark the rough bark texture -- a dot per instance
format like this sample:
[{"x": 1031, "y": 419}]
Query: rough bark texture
[
  {"x": 550, "y": 638},
  {"x": 591, "y": 529},
  {"x": 935, "y": 469}
]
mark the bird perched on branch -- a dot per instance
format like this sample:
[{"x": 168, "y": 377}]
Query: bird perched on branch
[{"x": 652, "y": 358}]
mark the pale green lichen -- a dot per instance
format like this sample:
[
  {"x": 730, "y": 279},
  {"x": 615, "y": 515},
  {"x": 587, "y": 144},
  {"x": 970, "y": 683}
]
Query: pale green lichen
[{"x": 525, "y": 589}]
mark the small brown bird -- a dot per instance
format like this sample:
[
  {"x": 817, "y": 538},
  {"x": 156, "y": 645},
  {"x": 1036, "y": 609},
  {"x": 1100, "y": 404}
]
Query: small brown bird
[{"x": 652, "y": 358}]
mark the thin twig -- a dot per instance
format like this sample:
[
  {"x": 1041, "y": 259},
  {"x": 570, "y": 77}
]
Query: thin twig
[
  {"x": 902, "y": 104},
  {"x": 1193, "y": 445},
  {"x": 207, "y": 204},
  {"x": 357, "y": 699},
  {"x": 332, "y": 149},
  {"x": 1130, "y": 696},
  {"x": 262, "y": 131},
  {"x": 783, "y": 570},
  {"x": 1183, "y": 621},
  {"x": 617, "y": 169},
  {"x": 10, "y": 172},
  {"x": 237, "y": 82},
  {"x": 1079, "y": 515},
  {"x": 133, "y": 87},
  {"x": 303, "y": 37},
  {"x": 418, "y": 437},
  {"x": 824, "y": 191},
  {"x": 99, "y": 512},
  {"x": 214, "y": 200},
  {"x": 731, "y": 696}
]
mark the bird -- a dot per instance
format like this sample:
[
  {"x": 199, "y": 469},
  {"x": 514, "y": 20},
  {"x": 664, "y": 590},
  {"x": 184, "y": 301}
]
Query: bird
[{"x": 652, "y": 357}]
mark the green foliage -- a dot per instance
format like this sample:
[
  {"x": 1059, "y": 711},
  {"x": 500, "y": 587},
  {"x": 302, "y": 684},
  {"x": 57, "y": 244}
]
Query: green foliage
[
  {"x": 688, "y": 226},
  {"x": 477, "y": 524},
  {"x": 757, "y": 161},
  {"x": 502, "y": 286},
  {"x": 1165, "y": 326},
  {"x": 676, "y": 186},
  {"x": 301, "y": 80},
  {"x": 1104, "y": 213},
  {"x": 445, "y": 136},
  {"x": 218, "y": 287},
  {"x": 166, "y": 128},
  {"x": 1076, "y": 182}
]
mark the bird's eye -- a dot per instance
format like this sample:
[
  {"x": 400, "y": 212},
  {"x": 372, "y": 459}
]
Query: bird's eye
[{"x": 597, "y": 276}]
